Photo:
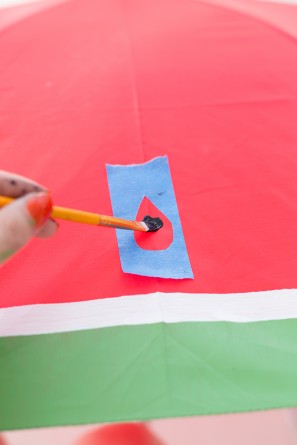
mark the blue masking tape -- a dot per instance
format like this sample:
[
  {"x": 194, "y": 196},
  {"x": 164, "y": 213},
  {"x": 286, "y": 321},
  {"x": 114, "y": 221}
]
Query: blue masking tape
[{"x": 128, "y": 185}]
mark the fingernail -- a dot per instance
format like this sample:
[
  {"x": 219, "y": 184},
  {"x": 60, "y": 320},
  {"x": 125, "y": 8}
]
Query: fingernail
[{"x": 40, "y": 207}]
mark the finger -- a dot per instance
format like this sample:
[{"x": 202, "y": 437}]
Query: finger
[
  {"x": 21, "y": 220},
  {"x": 120, "y": 434},
  {"x": 48, "y": 230},
  {"x": 15, "y": 185}
]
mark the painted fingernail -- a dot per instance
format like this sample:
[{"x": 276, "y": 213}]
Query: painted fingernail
[{"x": 40, "y": 207}]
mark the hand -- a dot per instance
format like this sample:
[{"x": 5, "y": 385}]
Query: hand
[{"x": 25, "y": 217}]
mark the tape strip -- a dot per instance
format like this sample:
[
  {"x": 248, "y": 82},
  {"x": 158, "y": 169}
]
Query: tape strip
[{"x": 128, "y": 185}]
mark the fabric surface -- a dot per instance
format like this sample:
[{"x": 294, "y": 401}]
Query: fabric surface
[{"x": 89, "y": 83}]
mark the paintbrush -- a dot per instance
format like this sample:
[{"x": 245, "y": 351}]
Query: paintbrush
[{"x": 148, "y": 224}]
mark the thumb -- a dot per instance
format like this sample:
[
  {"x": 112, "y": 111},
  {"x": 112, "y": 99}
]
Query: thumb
[{"x": 21, "y": 220}]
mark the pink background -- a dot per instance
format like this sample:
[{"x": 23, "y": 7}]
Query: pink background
[{"x": 262, "y": 428}]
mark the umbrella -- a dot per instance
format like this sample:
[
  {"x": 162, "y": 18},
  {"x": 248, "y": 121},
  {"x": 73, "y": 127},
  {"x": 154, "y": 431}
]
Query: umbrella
[{"x": 185, "y": 107}]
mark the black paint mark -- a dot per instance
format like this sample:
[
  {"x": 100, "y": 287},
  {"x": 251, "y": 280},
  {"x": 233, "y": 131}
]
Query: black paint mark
[{"x": 153, "y": 224}]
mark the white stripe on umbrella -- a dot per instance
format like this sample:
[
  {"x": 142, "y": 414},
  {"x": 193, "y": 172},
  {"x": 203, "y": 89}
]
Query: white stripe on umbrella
[{"x": 148, "y": 309}]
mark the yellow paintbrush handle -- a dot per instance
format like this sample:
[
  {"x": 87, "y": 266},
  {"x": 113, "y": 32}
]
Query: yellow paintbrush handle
[
  {"x": 96, "y": 219},
  {"x": 75, "y": 215},
  {"x": 88, "y": 218},
  {"x": 4, "y": 201}
]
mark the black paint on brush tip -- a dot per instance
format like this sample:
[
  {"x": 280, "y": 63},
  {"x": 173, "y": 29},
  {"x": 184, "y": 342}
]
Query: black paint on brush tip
[{"x": 153, "y": 224}]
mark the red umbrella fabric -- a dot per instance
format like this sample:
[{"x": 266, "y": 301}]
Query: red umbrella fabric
[{"x": 213, "y": 87}]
